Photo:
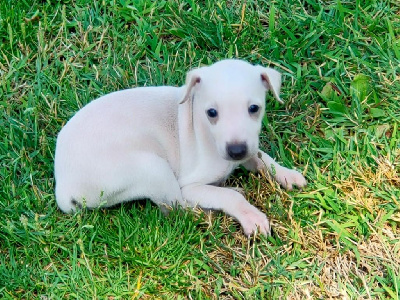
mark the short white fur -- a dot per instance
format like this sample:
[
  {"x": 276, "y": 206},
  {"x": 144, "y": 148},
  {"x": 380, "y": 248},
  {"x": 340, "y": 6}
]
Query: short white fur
[{"x": 159, "y": 143}]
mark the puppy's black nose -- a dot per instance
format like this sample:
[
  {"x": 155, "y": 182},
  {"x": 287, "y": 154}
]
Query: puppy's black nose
[{"x": 236, "y": 151}]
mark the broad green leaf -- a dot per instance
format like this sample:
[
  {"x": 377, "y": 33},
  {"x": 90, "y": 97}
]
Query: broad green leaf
[
  {"x": 377, "y": 112},
  {"x": 360, "y": 86},
  {"x": 328, "y": 92},
  {"x": 336, "y": 107}
]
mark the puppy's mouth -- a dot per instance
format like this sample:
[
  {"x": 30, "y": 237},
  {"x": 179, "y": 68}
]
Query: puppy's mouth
[{"x": 228, "y": 158}]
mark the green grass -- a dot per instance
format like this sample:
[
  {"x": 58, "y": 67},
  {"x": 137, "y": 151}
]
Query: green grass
[{"x": 339, "y": 238}]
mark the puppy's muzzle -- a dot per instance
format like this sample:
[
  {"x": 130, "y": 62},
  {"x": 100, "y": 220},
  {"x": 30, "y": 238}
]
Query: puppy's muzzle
[{"x": 236, "y": 151}]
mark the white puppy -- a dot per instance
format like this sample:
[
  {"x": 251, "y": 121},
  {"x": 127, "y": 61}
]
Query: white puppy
[{"x": 172, "y": 145}]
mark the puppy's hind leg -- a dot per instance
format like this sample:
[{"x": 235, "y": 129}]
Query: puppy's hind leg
[
  {"x": 150, "y": 176},
  {"x": 132, "y": 176}
]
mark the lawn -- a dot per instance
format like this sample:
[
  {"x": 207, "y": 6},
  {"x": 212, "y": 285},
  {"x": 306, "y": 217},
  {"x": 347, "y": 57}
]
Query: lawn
[{"x": 338, "y": 238}]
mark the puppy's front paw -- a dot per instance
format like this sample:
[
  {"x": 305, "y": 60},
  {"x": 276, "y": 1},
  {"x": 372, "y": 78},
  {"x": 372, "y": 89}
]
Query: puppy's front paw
[
  {"x": 288, "y": 178},
  {"x": 253, "y": 220}
]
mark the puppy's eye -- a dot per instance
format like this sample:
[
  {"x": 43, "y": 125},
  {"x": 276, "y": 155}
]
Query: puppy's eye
[
  {"x": 253, "y": 109},
  {"x": 212, "y": 113}
]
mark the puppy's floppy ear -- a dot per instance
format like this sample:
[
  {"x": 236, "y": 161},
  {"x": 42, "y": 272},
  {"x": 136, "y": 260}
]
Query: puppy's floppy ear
[
  {"x": 271, "y": 79},
  {"x": 192, "y": 79}
]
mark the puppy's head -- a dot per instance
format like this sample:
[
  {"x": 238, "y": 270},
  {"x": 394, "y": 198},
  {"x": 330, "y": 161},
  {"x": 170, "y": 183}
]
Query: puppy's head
[{"x": 229, "y": 103}]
